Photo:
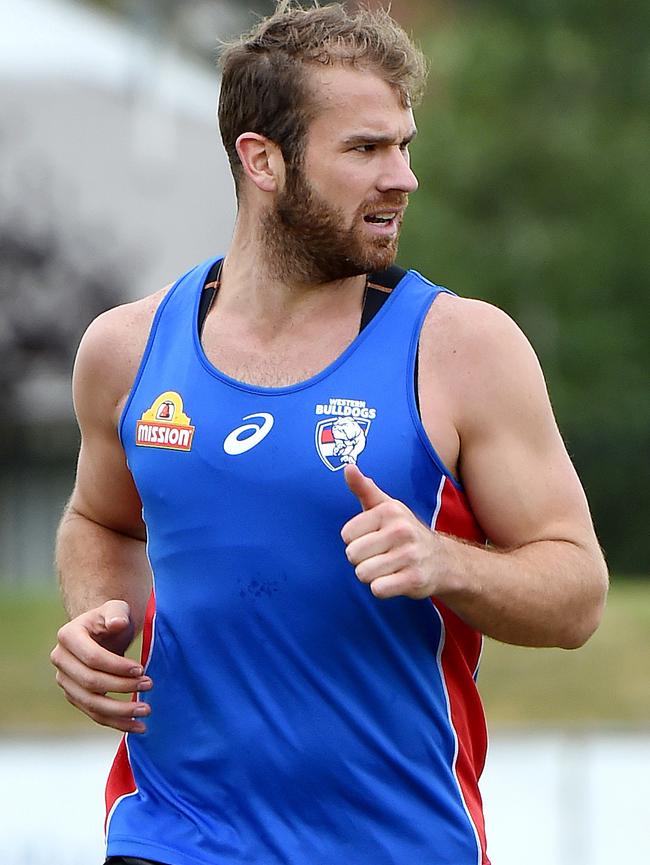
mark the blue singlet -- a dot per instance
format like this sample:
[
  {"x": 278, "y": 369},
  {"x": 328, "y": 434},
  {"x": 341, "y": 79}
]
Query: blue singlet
[{"x": 296, "y": 719}]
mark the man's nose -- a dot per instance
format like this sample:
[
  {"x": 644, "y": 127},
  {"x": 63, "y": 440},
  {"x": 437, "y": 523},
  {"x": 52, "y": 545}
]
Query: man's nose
[{"x": 397, "y": 173}]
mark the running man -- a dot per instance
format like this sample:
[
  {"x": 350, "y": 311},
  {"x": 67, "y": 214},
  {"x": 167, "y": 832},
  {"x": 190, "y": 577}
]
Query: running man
[{"x": 315, "y": 481}]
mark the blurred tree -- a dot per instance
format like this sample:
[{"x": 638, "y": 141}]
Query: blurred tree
[
  {"x": 534, "y": 165},
  {"x": 534, "y": 162},
  {"x": 48, "y": 263},
  {"x": 196, "y": 25}
]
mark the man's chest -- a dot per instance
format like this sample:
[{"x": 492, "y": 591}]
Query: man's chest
[
  {"x": 274, "y": 363},
  {"x": 295, "y": 358}
]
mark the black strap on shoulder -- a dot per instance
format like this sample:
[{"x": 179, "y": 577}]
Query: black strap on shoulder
[
  {"x": 209, "y": 291},
  {"x": 378, "y": 289},
  {"x": 380, "y": 285},
  {"x": 374, "y": 300},
  {"x": 389, "y": 278}
]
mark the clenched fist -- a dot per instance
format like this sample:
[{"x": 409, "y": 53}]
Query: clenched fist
[{"x": 391, "y": 550}]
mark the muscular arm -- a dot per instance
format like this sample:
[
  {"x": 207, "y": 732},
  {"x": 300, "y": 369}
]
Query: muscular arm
[
  {"x": 100, "y": 543},
  {"x": 103, "y": 570},
  {"x": 542, "y": 581}
]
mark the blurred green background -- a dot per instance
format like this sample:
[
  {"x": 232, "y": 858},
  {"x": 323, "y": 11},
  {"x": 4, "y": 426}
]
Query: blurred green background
[
  {"x": 534, "y": 166},
  {"x": 604, "y": 685}
]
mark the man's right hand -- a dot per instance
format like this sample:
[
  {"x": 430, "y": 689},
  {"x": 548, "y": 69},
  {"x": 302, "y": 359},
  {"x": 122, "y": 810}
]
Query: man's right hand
[{"x": 90, "y": 662}]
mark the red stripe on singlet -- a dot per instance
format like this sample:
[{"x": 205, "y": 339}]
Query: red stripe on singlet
[
  {"x": 459, "y": 661},
  {"x": 121, "y": 781}
]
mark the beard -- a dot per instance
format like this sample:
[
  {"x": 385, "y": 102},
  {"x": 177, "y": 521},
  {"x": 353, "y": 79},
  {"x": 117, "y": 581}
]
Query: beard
[{"x": 308, "y": 241}]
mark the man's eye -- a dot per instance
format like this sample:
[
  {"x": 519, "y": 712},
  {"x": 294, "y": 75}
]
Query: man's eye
[{"x": 365, "y": 148}]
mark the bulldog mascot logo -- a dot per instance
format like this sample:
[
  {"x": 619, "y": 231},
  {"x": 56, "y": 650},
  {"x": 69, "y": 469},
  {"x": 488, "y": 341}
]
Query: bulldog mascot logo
[{"x": 341, "y": 439}]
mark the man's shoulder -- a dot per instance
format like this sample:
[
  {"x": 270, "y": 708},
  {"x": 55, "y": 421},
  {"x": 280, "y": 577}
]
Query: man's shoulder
[
  {"x": 111, "y": 350},
  {"x": 134, "y": 313},
  {"x": 123, "y": 328},
  {"x": 477, "y": 350},
  {"x": 470, "y": 323}
]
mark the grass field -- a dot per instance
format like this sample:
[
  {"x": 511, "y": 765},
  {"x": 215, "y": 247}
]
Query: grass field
[{"x": 604, "y": 684}]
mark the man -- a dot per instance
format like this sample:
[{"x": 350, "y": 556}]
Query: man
[{"x": 314, "y": 447}]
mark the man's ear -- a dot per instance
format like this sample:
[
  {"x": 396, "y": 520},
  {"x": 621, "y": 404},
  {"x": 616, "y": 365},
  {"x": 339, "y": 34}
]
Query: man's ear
[{"x": 261, "y": 160}]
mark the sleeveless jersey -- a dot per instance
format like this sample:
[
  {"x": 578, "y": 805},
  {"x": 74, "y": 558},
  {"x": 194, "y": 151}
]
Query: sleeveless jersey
[{"x": 296, "y": 719}]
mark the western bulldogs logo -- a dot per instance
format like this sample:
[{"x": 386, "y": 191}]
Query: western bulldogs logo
[{"x": 340, "y": 440}]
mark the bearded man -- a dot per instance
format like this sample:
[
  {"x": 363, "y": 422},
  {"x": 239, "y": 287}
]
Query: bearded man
[{"x": 313, "y": 627}]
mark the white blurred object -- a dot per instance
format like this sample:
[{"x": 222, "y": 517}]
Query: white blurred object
[
  {"x": 568, "y": 798},
  {"x": 115, "y": 131},
  {"x": 550, "y": 799},
  {"x": 70, "y": 41},
  {"x": 51, "y": 800}
]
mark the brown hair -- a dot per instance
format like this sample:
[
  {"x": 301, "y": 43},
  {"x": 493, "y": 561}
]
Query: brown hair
[{"x": 265, "y": 88}]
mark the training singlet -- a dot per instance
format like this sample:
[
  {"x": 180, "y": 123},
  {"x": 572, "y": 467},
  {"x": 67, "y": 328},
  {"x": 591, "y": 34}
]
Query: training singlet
[{"x": 296, "y": 719}]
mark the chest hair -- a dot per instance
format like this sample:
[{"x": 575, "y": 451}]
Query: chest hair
[{"x": 275, "y": 365}]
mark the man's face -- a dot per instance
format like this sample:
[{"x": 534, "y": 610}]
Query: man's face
[{"x": 340, "y": 212}]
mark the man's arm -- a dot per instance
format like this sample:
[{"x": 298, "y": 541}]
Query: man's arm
[
  {"x": 543, "y": 580},
  {"x": 103, "y": 568}
]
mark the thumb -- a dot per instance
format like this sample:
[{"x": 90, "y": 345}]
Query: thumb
[
  {"x": 365, "y": 489},
  {"x": 115, "y": 615},
  {"x": 112, "y": 627}
]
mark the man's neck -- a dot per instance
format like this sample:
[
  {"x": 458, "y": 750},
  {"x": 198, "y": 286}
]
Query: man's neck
[{"x": 252, "y": 288}]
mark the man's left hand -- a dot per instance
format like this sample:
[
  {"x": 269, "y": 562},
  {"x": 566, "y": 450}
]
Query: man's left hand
[{"x": 391, "y": 550}]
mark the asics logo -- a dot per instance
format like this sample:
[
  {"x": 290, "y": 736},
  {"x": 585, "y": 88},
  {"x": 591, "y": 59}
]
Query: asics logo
[{"x": 234, "y": 444}]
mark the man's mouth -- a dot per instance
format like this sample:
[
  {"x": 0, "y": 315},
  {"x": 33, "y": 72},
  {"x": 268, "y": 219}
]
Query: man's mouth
[{"x": 381, "y": 218}]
